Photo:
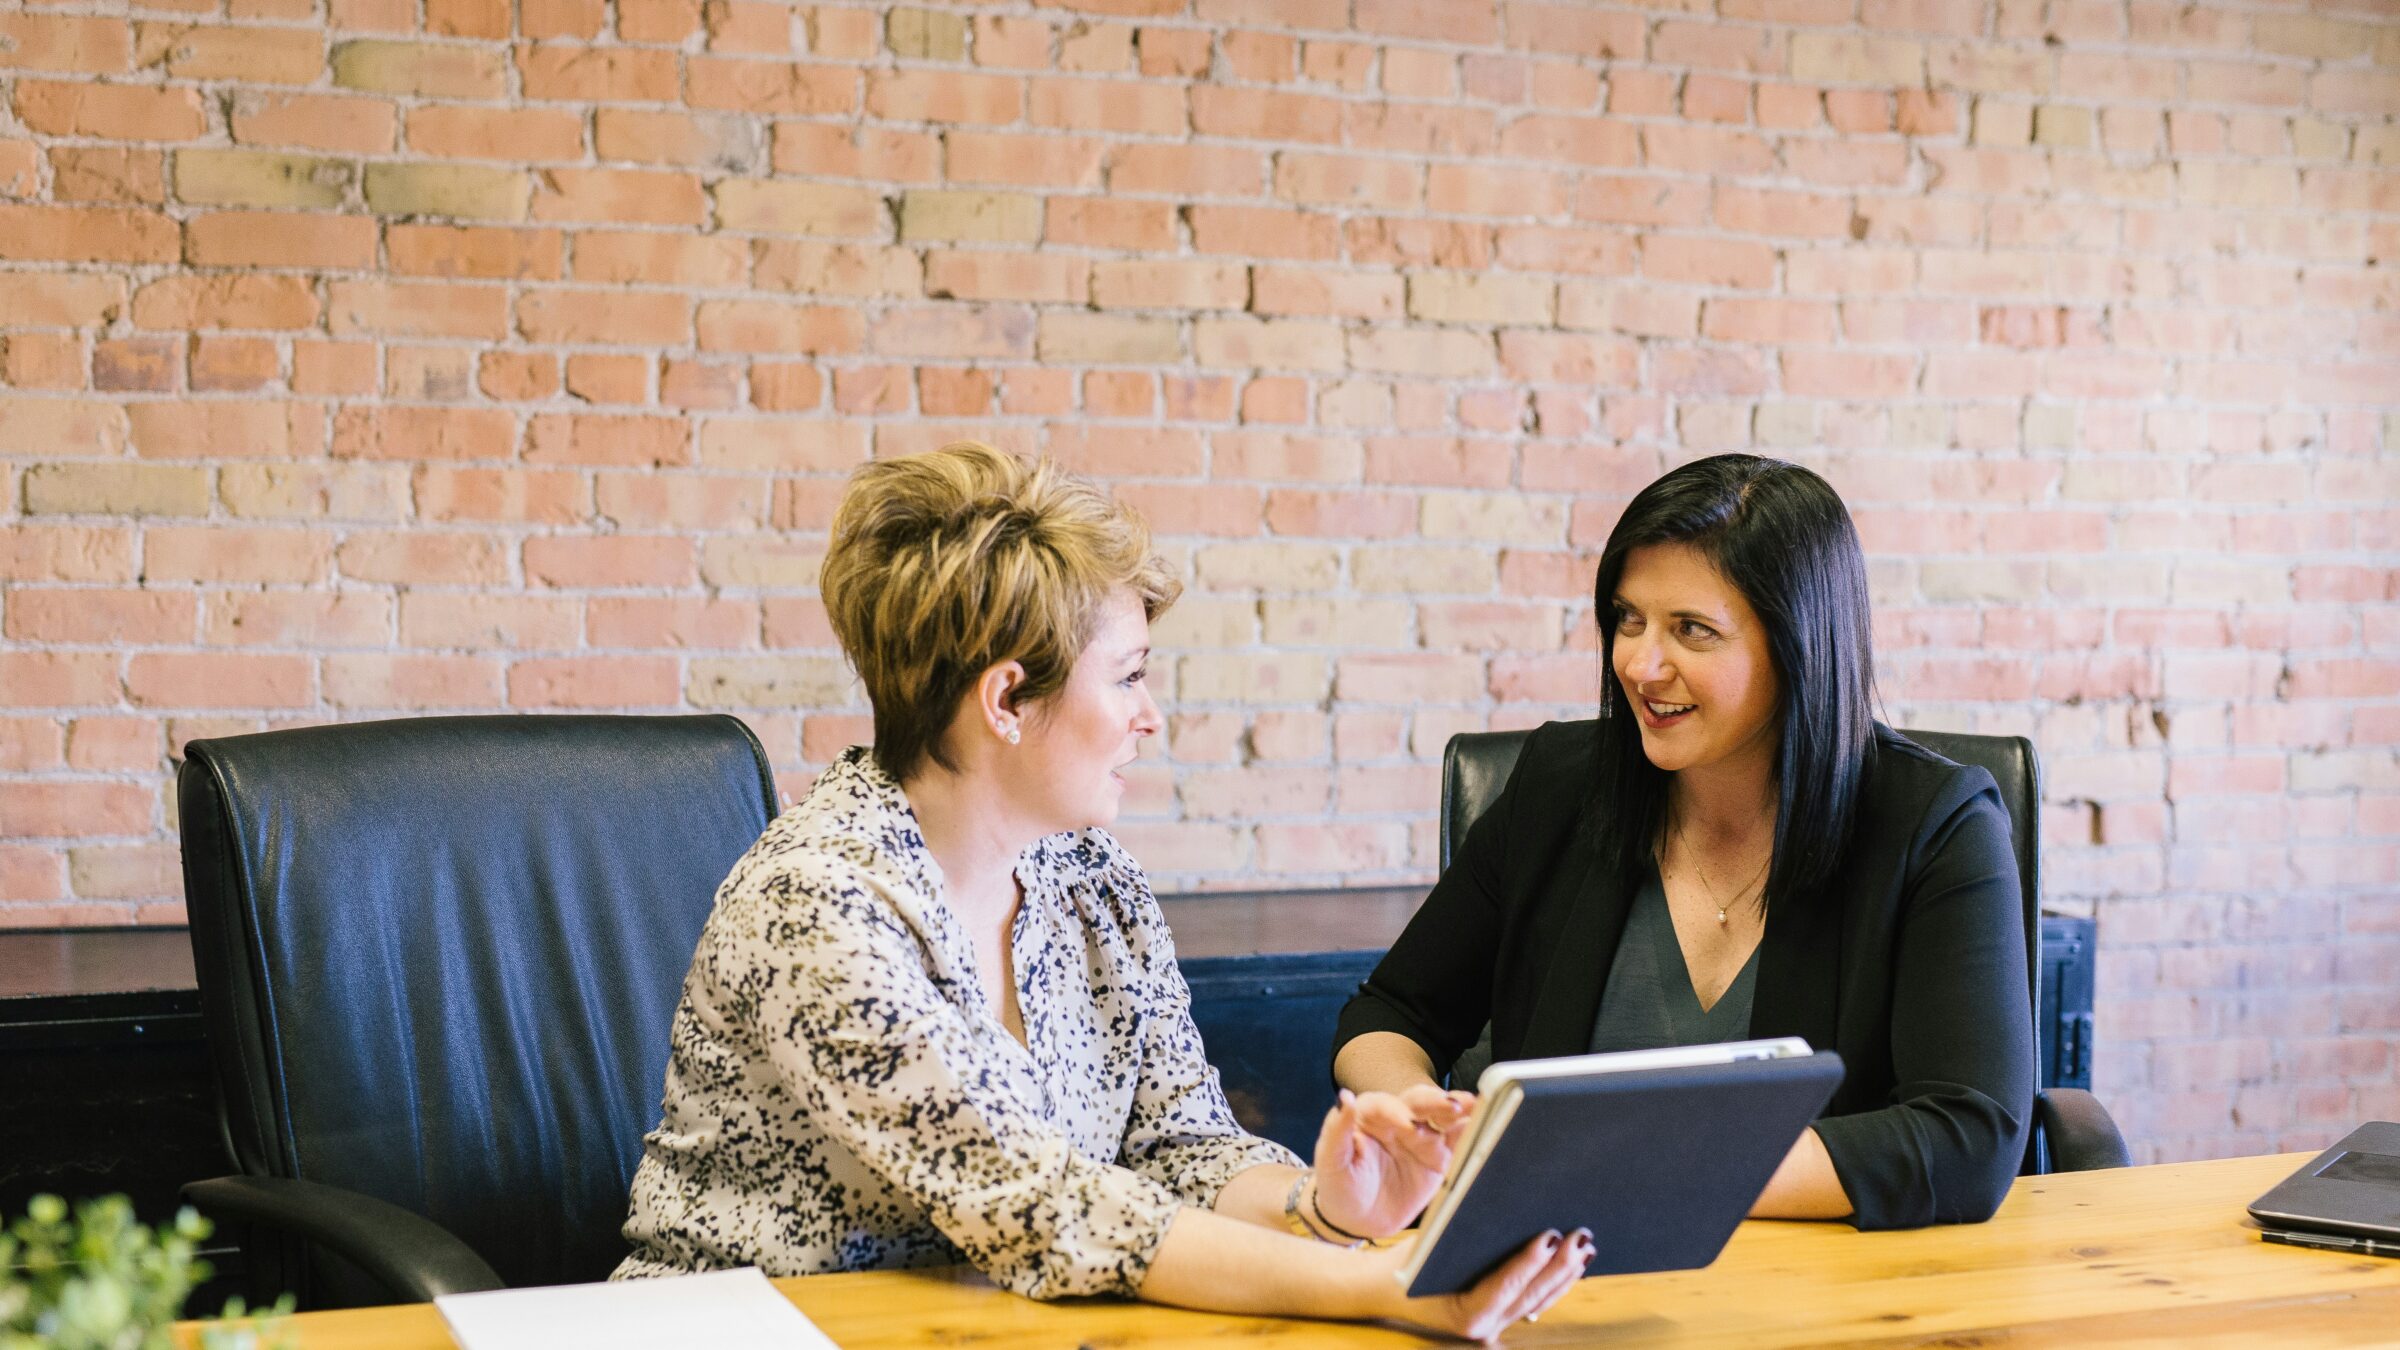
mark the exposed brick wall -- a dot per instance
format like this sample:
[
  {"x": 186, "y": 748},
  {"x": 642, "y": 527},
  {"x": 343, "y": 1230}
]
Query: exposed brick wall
[{"x": 382, "y": 358}]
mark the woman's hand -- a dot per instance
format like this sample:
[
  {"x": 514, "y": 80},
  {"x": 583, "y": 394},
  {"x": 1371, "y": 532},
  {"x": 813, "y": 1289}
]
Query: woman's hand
[
  {"x": 1382, "y": 1155},
  {"x": 1524, "y": 1286}
]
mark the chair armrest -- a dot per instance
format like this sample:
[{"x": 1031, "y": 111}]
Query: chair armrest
[
  {"x": 410, "y": 1255},
  {"x": 2081, "y": 1135}
]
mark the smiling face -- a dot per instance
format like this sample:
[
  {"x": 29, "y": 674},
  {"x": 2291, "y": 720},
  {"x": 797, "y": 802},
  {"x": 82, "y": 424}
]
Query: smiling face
[
  {"x": 1064, "y": 773},
  {"x": 1690, "y": 658}
]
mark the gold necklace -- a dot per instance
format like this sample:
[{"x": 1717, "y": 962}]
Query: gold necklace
[{"x": 1702, "y": 872}]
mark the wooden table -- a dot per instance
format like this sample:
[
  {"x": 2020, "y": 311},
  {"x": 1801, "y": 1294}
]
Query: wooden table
[{"x": 2147, "y": 1255}]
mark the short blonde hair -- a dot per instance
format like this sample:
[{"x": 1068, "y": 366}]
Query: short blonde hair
[{"x": 947, "y": 563}]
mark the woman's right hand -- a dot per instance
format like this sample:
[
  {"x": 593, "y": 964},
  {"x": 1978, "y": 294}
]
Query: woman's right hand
[{"x": 1523, "y": 1286}]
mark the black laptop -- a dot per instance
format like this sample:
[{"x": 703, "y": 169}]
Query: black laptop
[{"x": 2351, "y": 1190}]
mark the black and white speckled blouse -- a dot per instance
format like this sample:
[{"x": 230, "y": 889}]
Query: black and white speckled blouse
[{"x": 842, "y": 1096}]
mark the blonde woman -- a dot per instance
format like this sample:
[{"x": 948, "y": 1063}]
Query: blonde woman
[{"x": 935, "y": 1015}]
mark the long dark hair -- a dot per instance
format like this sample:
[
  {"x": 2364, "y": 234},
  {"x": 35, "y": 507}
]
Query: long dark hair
[{"x": 1780, "y": 534}]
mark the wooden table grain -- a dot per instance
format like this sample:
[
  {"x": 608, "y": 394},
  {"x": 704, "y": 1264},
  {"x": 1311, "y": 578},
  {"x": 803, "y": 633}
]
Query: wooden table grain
[{"x": 2143, "y": 1256}]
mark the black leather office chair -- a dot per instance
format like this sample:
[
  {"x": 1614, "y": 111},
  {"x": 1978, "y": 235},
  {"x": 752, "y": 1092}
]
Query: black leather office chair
[
  {"x": 438, "y": 958},
  {"x": 2072, "y": 1131}
]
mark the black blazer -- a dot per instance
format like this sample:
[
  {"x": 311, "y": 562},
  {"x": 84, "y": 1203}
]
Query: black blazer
[{"x": 1911, "y": 964}]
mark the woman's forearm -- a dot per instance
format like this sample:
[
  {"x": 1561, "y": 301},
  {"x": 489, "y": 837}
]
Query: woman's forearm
[
  {"x": 1255, "y": 1195},
  {"x": 1382, "y": 1061},
  {"x": 1211, "y": 1261},
  {"x": 1804, "y": 1186}
]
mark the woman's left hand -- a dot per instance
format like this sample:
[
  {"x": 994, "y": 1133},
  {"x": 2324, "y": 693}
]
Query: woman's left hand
[{"x": 1382, "y": 1155}]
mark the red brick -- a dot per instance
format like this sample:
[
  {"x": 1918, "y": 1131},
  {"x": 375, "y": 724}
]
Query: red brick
[
  {"x": 308, "y": 619},
  {"x": 233, "y": 364},
  {"x": 647, "y": 137},
  {"x": 104, "y": 743},
  {"x": 769, "y": 326},
  {"x": 1097, "y": 222},
  {"x": 73, "y": 810},
  {"x": 769, "y": 86},
  {"x": 655, "y": 258},
  {"x": 225, "y": 301},
  {"x": 541, "y": 496},
  {"x": 42, "y": 360},
  {"x": 513, "y": 134},
  {"x": 1006, "y": 276},
  {"x": 315, "y": 121},
  {"x": 516, "y": 376},
  {"x": 699, "y": 384},
  {"x": 85, "y": 234},
  {"x": 1187, "y": 170},
  {"x": 66, "y": 553},
  {"x": 672, "y": 622},
  {"x": 424, "y": 558},
  {"x": 417, "y": 309},
  {"x": 476, "y": 251},
  {"x": 1265, "y": 232},
  {"x": 944, "y": 96},
  {"x": 279, "y": 239},
  {"x": 117, "y": 112},
  {"x": 667, "y": 22},
  {"x": 857, "y": 152},
  {"x": 619, "y": 197},
  {"x": 594, "y": 682},
  {"x": 609, "y": 561},
  {"x": 1142, "y": 107},
  {"x": 512, "y": 622},
  {"x": 573, "y": 73},
  {"x": 1415, "y": 129},
  {"x": 1341, "y": 180},
  {"x": 411, "y": 681},
  {"x": 61, "y": 43},
  {"x": 640, "y": 318},
  {"x": 229, "y": 429},
  {"x": 423, "y": 433},
  {"x": 467, "y": 18},
  {"x": 248, "y": 54},
  {"x": 109, "y": 618},
  {"x": 219, "y": 680},
  {"x": 607, "y": 439}
]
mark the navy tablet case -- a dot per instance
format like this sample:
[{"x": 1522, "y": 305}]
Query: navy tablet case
[{"x": 1661, "y": 1165}]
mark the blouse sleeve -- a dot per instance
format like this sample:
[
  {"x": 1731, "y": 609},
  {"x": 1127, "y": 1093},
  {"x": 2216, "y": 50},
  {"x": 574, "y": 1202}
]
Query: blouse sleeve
[
  {"x": 1182, "y": 1132},
  {"x": 1947, "y": 1148},
  {"x": 1435, "y": 985},
  {"x": 854, "y": 1023}
]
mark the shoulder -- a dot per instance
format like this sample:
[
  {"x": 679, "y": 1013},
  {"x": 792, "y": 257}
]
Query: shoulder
[
  {"x": 1561, "y": 751},
  {"x": 848, "y": 849},
  {"x": 1094, "y": 867},
  {"x": 1913, "y": 791}
]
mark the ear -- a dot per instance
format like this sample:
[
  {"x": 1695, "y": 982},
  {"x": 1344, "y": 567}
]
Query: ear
[{"x": 995, "y": 698}]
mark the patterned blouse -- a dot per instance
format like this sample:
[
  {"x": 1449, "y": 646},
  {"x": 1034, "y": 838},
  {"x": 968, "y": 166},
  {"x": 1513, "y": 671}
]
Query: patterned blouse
[{"x": 841, "y": 1095}]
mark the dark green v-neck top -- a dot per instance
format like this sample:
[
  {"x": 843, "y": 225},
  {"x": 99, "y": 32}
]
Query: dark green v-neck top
[{"x": 1649, "y": 1001}]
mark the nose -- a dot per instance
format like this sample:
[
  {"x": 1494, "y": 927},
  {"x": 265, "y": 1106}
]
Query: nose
[
  {"x": 1147, "y": 720},
  {"x": 1640, "y": 660}
]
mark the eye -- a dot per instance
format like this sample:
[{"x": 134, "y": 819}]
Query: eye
[
  {"x": 1627, "y": 621},
  {"x": 1139, "y": 674},
  {"x": 1695, "y": 631}
]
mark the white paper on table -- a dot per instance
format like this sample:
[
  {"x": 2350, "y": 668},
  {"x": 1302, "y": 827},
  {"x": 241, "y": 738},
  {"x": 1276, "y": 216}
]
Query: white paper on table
[{"x": 722, "y": 1309}]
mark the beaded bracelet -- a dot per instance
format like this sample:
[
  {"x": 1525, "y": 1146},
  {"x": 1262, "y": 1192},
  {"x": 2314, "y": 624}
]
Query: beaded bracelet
[
  {"x": 1299, "y": 1224},
  {"x": 1329, "y": 1225}
]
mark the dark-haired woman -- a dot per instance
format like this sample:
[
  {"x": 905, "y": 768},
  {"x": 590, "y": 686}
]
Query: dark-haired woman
[{"x": 1736, "y": 849}]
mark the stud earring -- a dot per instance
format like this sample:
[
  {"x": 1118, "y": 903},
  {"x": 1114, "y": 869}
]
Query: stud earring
[{"x": 1012, "y": 735}]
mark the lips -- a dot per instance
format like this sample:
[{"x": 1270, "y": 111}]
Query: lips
[{"x": 1660, "y": 715}]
